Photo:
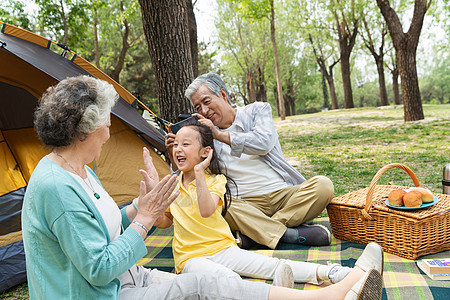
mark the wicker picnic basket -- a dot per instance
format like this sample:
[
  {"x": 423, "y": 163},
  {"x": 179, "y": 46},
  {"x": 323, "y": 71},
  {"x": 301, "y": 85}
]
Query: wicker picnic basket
[{"x": 363, "y": 217}]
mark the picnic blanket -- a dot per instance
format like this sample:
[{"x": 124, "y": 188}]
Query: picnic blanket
[{"x": 402, "y": 278}]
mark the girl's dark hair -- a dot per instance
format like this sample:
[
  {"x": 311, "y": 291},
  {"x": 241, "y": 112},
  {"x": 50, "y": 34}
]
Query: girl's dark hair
[{"x": 216, "y": 165}]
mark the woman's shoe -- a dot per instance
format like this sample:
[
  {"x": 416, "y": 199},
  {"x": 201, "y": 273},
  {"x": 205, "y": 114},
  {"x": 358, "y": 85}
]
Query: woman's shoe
[
  {"x": 369, "y": 287},
  {"x": 371, "y": 258},
  {"x": 284, "y": 276}
]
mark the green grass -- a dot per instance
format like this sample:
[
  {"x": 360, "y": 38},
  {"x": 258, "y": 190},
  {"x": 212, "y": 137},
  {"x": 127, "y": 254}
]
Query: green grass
[
  {"x": 18, "y": 292},
  {"x": 350, "y": 146}
]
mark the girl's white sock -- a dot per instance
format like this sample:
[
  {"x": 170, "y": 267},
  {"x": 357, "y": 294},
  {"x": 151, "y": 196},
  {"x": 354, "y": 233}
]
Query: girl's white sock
[{"x": 332, "y": 272}]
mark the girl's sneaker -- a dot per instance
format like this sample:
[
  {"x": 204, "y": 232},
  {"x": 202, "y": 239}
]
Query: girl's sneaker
[{"x": 337, "y": 272}]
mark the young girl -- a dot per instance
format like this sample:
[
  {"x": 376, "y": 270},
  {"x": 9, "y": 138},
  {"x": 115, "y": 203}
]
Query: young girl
[{"x": 203, "y": 241}]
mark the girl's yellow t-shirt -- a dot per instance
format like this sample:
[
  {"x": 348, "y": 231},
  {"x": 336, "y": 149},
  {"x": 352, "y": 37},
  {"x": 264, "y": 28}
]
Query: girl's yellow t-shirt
[{"x": 195, "y": 236}]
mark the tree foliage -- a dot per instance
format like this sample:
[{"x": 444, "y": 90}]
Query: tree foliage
[
  {"x": 374, "y": 40},
  {"x": 318, "y": 34},
  {"x": 435, "y": 87},
  {"x": 257, "y": 11},
  {"x": 107, "y": 33},
  {"x": 64, "y": 20},
  {"x": 246, "y": 46},
  {"x": 206, "y": 58},
  {"x": 13, "y": 12},
  {"x": 110, "y": 35}
]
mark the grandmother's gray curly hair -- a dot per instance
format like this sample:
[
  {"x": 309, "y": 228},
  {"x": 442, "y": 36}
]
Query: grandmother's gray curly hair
[{"x": 72, "y": 109}]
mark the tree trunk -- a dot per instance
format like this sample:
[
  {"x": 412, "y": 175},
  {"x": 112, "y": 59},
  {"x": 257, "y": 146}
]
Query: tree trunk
[
  {"x": 277, "y": 103},
  {"x": 382, "y": 82},
  {"x": 326, "y": 73},
  {"x": 96, "y": 51},
  {"x": 334, "y": 102},
  {"x": 261, "y": 86},
  {"x": 346, "y": 40},
  {"x": 166, "y": 30},
  {"x": 125, "y": 46},
  {"x": 379, "y": 59},
  {"x": 346, "y": 79},
  {"x": 263, "y": 92},
  {"x": 326, "y": 102},
  {"x": 287, "y": 107},
  {"x": 65, "y": 26},
  {"x": 193, "y": 36},
  {"x": 395, "y": 87},
  {"x": 244, "y": 98},
  {"x": 412, "y": 102},
  {"x": 290, "y": 96},
  {"x": 405, "y": 45},
  {"x": 250, "y": 88},
  {"x": 277, "y": 63}
]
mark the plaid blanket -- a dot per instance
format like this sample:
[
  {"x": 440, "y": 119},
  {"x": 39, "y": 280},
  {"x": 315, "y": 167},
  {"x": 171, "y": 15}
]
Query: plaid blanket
[{"x": 402, "y": 278}]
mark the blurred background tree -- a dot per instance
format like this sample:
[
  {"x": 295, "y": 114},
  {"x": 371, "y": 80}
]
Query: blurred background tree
[{"x": 110, "y": 34}]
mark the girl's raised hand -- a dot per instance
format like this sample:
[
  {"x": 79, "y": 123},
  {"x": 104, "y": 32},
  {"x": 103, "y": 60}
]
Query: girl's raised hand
[{"x": 201, "y": 167}]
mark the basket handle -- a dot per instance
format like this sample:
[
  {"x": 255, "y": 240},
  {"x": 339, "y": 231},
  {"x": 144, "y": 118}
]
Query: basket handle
[{"x": 366, "y": 209}]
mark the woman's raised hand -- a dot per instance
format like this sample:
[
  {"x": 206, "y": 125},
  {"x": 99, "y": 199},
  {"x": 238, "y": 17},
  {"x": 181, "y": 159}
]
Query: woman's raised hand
[
  {"x": 150, "y": 174},
  {"x": 151, "y": 205}
]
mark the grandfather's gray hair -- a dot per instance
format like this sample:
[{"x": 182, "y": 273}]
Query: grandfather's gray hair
[
  {"x": 72, "y": 109},
  {"x": 212, "y": 81}
]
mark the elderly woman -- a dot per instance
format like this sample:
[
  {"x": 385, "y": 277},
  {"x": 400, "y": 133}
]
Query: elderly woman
[{"x": 79, "y": 245}]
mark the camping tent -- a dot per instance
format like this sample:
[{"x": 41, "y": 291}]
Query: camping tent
[{"x": 28, "y": 67}]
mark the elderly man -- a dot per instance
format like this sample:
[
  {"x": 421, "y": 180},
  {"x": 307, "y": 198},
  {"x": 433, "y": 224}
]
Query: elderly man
[{"x": 272, "y": 200}]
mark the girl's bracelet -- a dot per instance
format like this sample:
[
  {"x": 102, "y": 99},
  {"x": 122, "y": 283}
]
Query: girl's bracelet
[
  {"x": 134, "y": 204},
  {"x": 141, "y": 225}
]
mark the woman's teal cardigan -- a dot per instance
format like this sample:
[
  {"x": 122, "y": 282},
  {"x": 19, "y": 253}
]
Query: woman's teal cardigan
[{"x": 68, "y": 250}]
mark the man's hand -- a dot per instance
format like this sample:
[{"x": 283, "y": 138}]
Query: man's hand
[
  {"x": 206, "y": 122},
  {"x": 169, "y": 140},
  {"x": 221, "y": 136}
]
